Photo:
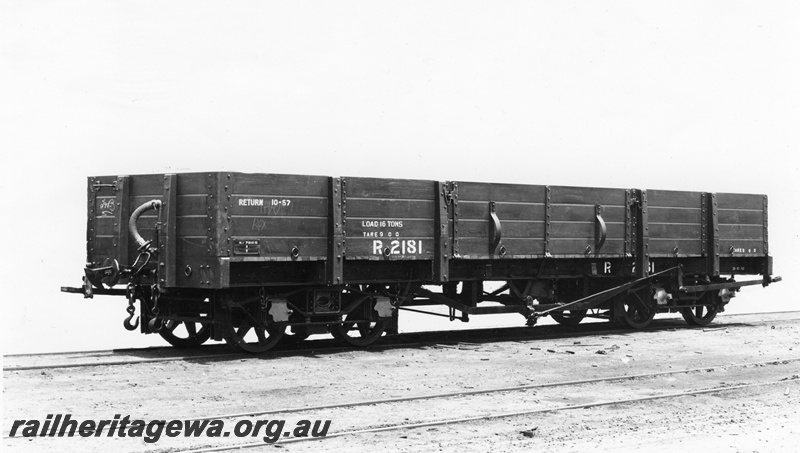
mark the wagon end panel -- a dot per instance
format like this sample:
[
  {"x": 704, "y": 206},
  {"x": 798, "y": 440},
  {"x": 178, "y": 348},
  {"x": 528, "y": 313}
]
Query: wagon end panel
[
  {"x": 111, "y": 200},
  {"x": 493, "y": 221},
  {"x": 742, "y": 222}
]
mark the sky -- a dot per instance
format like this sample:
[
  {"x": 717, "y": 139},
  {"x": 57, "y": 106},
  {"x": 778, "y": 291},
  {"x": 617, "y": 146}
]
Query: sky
[{"x": 682, "y": 95}]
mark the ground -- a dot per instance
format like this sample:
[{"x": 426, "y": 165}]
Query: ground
[{"x": 763, "y": 418}]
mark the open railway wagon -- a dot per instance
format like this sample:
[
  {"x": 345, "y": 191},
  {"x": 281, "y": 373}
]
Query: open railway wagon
[{"x": 257, "y": 258}]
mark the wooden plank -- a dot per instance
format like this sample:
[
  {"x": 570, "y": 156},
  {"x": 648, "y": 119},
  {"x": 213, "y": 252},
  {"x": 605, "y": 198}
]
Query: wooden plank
[
  {"x": 149, "y": 217},
  {"x": 674, "y": 199},
  {"x": 279, "y": 205},
  {"x": 265, "y": 226},
  {"x": 741, "y": 232},
  {"x": 586, "y": 213},
  {"x": 739, "y": 217},
  {"x": 675, "y": 231},
  {"x": 560, "y": 230},
  {"x": 146, "y": 187},
  {"x": 138, "y": 200},
  {"x": 389, "y": 209},
  {"x": 277, "y": 185},
  {"x": 477, "y": 248},
  {"x": 388, "y": 188},
  {"x": 665, "y": 247},
  {"x": 500, "y": 193},
  {"x": 577, "y": 247},
  {"x": 740, "y": 201},
  {"x": 192, "y": 226},
  {"x": 676, "y": 215},
  {"x": 103, "y": 247},
  {"x": 587, "y": 196},
  {"x": 191, "y": 247},
  {"x": 480, "y": 228},
  {"x": 191, "y": 205},
  {"x": 191, "y": 183},
  {"x": 505, "y": 211}
]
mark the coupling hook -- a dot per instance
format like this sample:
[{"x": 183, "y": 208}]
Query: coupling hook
[{"x": 127, "y": 323}]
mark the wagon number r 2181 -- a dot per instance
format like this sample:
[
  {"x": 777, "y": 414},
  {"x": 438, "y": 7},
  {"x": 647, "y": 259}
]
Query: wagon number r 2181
[{"x": 397, "y": 247}]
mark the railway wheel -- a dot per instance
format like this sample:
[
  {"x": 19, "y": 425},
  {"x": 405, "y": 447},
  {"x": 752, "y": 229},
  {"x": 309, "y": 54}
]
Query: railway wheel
[
  {"x": 185, "y": 334},
  {"x": 699, "y": 316},
  {"x": 249, "y": 328},
  {"x": 637, "y": 313},
  {"x": 358, "y": 333},
  {"x": 569, "y": 318}
]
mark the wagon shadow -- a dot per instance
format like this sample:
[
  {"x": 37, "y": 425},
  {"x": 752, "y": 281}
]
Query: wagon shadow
[{"x": 462, "y": 339}]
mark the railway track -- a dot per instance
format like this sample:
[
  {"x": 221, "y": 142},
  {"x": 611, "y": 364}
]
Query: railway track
[
  {"x": 510, "y": 390},
  {"x": 790, "y": 376},
  {"x": 409, "y": 340},
  {"x": 487, "y": 398},
  {"x": 498, "y": 390}
]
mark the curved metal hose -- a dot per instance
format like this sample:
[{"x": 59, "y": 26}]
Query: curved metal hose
[{"x": 133, "y": 229}]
